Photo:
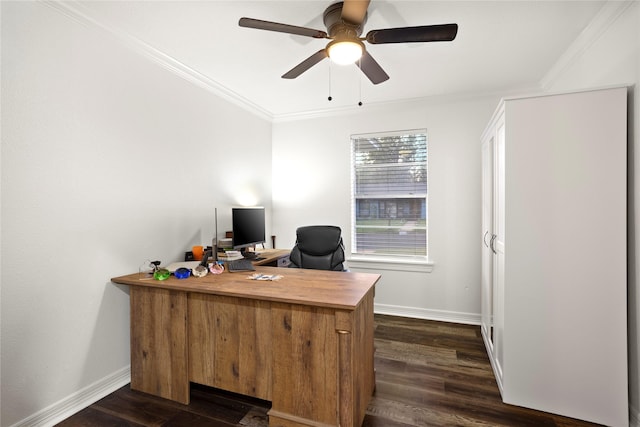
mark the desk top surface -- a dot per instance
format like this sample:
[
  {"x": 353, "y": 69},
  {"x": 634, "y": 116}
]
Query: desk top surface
[{"x": 343, "y": 290}]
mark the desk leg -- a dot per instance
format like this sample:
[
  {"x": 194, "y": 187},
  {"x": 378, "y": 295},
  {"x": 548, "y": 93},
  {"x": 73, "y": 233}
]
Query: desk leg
[{"x": 159, "y": 343}]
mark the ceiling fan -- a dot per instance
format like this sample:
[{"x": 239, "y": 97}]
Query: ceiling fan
[{"x": 345, "y": 22}]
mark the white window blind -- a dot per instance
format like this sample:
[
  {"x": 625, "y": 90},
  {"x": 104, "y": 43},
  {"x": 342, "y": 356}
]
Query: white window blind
[{"x": 389, "y": 194}]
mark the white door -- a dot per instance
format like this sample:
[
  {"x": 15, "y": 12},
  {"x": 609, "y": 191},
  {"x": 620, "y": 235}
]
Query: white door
[
  {"x": 498, "y": 249},
  {"x": 487, "y": 236}
]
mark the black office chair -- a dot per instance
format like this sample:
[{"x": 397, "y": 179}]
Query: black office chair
[{"x": 318, "y": 247}]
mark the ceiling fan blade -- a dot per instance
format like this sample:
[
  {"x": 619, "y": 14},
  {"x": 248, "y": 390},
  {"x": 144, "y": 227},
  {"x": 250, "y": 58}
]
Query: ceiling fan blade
[
  {"x": 282, "y": 28},
  {"x": 354, "y": 11},
  {"x": 372, "y": 69},
  {"x": 426, "y": 33},
  {"x": 306, "y": 64}
]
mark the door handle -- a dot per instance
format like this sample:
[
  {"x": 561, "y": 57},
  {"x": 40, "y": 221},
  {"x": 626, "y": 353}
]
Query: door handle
[
  {"x": 493, "y": 238},
  {"x": 484, "y": 238}
]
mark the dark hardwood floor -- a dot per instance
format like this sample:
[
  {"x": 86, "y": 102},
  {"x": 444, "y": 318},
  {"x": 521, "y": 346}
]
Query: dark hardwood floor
[{"x": 427, "y": 374}]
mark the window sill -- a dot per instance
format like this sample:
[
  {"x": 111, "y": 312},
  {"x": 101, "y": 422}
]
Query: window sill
[{"x": 374, "y": 263}]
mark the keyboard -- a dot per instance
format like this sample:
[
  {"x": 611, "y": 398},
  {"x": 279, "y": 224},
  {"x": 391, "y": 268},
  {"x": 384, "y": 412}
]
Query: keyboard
[{"x": 240, "y": 265}]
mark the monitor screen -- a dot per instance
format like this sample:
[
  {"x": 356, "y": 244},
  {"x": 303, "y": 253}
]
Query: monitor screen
[{"x": 248, "y": 227}]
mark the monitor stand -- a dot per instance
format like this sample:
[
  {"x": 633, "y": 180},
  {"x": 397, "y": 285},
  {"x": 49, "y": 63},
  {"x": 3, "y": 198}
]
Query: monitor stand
[{"x": 248, "y": 254}]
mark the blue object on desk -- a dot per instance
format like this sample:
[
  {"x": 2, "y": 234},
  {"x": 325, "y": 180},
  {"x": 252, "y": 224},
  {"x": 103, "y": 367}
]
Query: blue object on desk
[{"x": 182, "y": 273}]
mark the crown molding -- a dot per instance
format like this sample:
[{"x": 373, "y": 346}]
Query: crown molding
[
  {"x": 385, "y": 105},
  {"x": 74, "y": 11},
  {"x": 605, "y": 17}
]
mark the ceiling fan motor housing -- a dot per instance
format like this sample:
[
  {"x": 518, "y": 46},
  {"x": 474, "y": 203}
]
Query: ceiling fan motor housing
[{"x": 338, "y": 28}]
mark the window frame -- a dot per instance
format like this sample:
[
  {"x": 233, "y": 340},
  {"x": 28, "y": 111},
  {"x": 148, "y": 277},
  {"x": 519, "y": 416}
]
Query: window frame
[{"x": 419, "y": 263}]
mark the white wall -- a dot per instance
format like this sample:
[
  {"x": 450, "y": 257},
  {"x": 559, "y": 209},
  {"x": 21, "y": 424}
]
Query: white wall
[
  {"x": 107, "y": 160},
  {"x": 311, "y": 185},
  {"x": 613, "y": 58}
]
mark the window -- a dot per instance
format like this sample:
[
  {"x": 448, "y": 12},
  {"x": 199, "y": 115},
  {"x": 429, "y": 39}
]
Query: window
[{"x": 389, "y": 194}]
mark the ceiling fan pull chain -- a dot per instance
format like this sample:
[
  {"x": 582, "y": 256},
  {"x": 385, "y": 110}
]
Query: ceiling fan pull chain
[
  {"x": 330, "y": 98},
  {"x": 359, "y": 83}
]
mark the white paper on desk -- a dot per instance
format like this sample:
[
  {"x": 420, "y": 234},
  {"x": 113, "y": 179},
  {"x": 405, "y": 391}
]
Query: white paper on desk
[{"x": 269, "y": 277}]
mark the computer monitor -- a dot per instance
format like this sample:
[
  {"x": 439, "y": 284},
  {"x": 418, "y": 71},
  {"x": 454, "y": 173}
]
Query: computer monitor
[{"x": 248, "y": 226}]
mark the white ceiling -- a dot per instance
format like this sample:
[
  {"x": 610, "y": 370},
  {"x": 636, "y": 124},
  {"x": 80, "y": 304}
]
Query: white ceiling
[{"x": 501, "y": 46}]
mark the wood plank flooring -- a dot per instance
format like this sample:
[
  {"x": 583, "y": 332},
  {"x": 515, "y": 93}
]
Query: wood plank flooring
[{"x": 427, "y": 374}]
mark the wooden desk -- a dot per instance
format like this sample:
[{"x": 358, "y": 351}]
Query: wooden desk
[{"x": 305, "y": 342}]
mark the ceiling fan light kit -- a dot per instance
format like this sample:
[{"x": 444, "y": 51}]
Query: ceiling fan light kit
[
  {"x": 345, "y": 52},
  {"x": 345, "y": 22}
]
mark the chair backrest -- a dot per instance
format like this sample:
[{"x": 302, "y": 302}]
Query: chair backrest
[{"x": 318, "y": 247}]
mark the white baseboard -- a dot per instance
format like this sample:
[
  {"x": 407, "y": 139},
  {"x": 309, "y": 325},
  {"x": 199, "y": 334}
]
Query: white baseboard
[
  {"x": 77, "y": 401},
  {"x": 423, "y": 313}
]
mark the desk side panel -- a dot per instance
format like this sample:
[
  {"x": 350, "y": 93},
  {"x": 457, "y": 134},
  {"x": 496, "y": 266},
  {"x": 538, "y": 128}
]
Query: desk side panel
[
  {"x": 356, "y": 373},
  {"x": 159, "y": 343},
  {"x": 304, "y": 366},
  {"x": 230, "y": 344}
]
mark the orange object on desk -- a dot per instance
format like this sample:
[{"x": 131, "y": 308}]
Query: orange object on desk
[{"x": 197, "y": 252}]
